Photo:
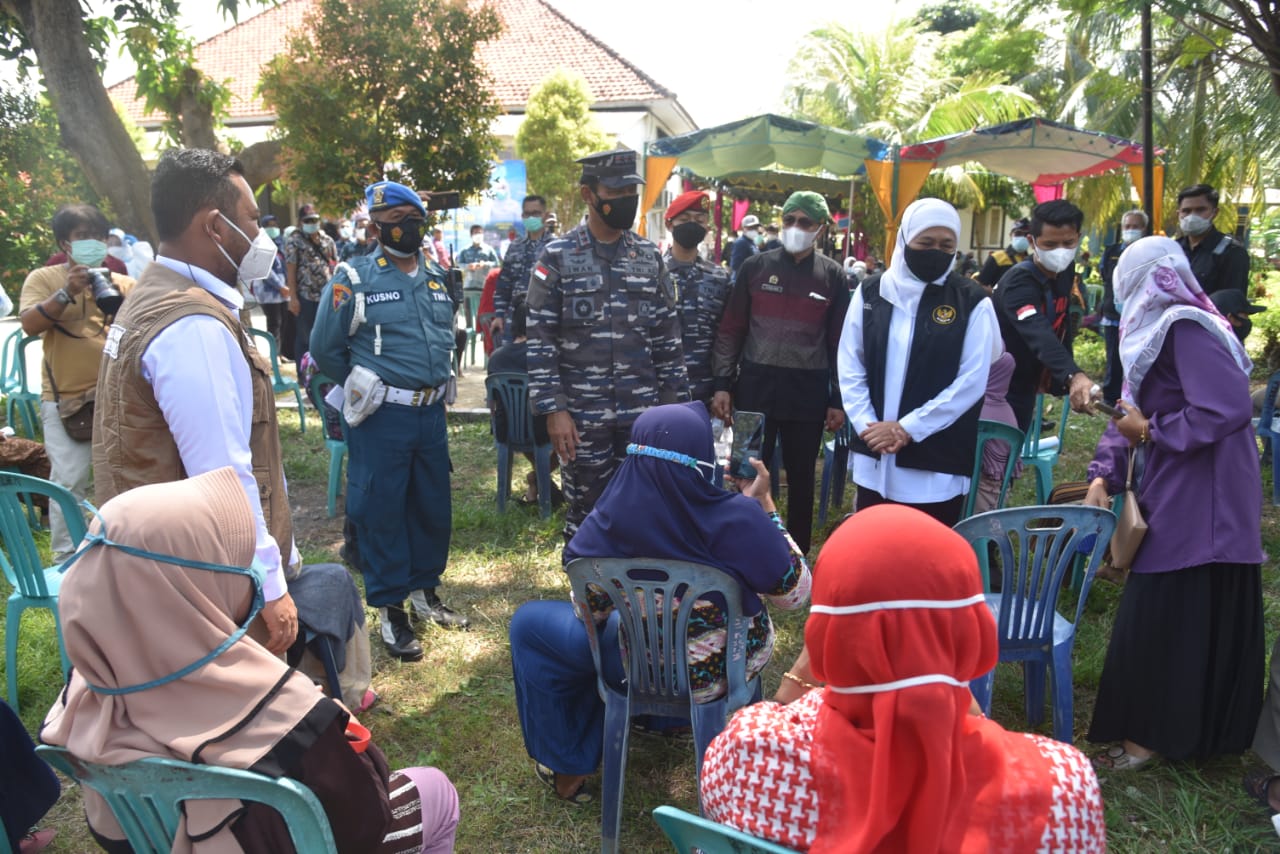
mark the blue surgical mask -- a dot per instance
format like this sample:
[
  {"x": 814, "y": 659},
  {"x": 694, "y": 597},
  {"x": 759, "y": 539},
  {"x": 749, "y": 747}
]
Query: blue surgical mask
[
  {"x": 1129, "y": 235},
  {"x": 310, "y": 227},
  {"x": 533, "y": 223},
  {"x": 255, "y": 572},
  {"x": 1020, "y": 245}
]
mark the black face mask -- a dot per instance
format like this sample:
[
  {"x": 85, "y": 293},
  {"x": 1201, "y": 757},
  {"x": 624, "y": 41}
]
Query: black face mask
[
  {"x": 1242, "y": 326},
  {"x": 403, "y": 238},
  {"x": 927, "y": 265},
  {"x": 689, "y": 234},
  {"x": 619, "y": 213}
]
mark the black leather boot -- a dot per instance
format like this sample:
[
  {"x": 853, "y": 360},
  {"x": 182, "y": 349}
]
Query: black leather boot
[
  {"x": 427, "y": 606},
  {"x": 397, "y": 635}
]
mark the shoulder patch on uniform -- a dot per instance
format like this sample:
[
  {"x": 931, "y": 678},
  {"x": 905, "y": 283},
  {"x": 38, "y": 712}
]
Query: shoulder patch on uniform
[
  {"x": 434, "y": 285},
  {"x": 382, "y": 262},
  {"x": 944, "y": 315},
  {"x": 1027, "y": 311},
  {"x": 341, "y": 293},
  {"x": 541, "y": 272}
]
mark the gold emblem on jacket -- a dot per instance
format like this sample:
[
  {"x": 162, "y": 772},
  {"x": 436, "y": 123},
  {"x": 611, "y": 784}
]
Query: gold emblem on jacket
[{"x": 944, "y": 315}]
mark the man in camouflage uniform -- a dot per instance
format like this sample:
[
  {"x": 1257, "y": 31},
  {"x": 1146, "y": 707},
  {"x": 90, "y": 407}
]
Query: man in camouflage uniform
[
  {"x": 517, "y": 264},
  {"x": 702, "y": 287},
  {"x": 604, "y": 336}
]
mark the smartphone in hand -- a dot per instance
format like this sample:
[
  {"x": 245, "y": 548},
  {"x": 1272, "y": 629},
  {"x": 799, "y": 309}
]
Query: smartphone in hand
[
  {"x": 748, "y": 442},
  {"x": 1108, "y": 409}
]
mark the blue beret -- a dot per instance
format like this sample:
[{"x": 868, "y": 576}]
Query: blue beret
[{"x": 389, "y": 194}]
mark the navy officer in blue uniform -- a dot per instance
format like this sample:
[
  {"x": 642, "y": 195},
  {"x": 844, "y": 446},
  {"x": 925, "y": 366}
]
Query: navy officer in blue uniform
[
  {"x": 604, "y": 333},
  {"x": 390, "y": 313}
]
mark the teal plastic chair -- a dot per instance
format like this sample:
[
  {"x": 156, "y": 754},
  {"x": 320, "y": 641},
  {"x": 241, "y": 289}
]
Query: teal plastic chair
[
  {"x": 690, "y": 833},
  {"x": 513, "y": 390},
  {"x": 993, "y": 431},
  {"x": 1041, "y": 453},
  {"x": 335, "y": 434},
  {"x": 1037, "y": 547},
  {"x": 34, "y": 585},
  {"x": 280, "y": 385},
  {"x": 146, "y": 797},
  {"x": 19, "y": 397},
  {"x": 656, "y": 661}
]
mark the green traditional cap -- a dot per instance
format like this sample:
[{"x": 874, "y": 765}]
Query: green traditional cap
[{"x": 808, "y": 202}]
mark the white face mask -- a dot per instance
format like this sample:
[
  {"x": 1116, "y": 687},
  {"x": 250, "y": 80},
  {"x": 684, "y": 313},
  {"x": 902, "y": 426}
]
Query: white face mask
[
  {"x": 477, "y": 238},
  {"x": 1056, "y": 260},
  {"x": 1194, "y": 224},
  {"x": 795, "y": 239},
  {"x": 750, "y": 234},
  {"x": 1131, "y": 234},
  {"x": 257, "y": 261},
  {"x": 120, "y": 253}
]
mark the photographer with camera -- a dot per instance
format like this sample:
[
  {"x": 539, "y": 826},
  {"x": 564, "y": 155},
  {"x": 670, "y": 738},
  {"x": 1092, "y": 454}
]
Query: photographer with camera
[{"x": 70, "y": 305}]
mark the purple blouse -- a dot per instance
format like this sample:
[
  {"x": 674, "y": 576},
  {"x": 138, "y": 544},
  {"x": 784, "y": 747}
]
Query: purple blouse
[{"x": 1201, "y": 493}]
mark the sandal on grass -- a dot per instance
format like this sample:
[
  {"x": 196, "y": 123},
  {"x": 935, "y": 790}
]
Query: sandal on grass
[
  {"x": 580, "y": 795},
  {"x": 1256, "y": 784},
  {"x": 1116, "y": 758}
]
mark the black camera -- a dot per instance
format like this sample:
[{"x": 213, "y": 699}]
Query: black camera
[{"x": 105, "y": 294}]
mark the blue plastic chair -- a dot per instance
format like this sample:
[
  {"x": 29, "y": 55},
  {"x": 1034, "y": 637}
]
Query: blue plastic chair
[
  {"x": 1031, "y": 629},
  {"x": 1265, "y": 428},
  {"x": 335, "y": 434},
  {"x": 34, "y": 585},
  {"x": 513, "y": 390},
  {"x": 146, "y": 797},
  {"x": 835, "y": 471},
  {"x": 19, "y": 396},
  {"x": 689, "y": 832},
  {"x": 280, "y": 385},
  {"x": 656, "y": 660},
  {"x": 1042, "y": 453},
  {"x": 993, "y": 431}
]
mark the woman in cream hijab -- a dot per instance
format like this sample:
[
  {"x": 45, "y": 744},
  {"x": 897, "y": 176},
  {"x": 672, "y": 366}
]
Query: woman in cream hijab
[
  {"x": 153, "y": 610},
  {"x": 914, "y": 356}
]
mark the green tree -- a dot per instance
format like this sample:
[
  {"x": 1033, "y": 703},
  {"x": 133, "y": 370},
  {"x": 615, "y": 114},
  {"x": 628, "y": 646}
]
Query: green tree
[
  {"x": 67, "y": 43},
  {"x": 39, "y": 176},
  {"x": 558, "y": 128},
  {"x": 385, "y": 88}
]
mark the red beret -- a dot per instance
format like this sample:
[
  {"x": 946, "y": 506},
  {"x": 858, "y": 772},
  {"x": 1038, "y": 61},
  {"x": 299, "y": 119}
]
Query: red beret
[{"x": 696, "y": 200}]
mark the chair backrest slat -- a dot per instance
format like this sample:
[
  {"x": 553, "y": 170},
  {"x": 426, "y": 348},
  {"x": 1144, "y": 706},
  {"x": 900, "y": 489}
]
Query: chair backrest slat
[
  {"x": 643, "y": 592},
  {"x": 513, "y": 390},
  {"x": 1037, "y": 548},
  {"x": 22, "y": 565}
]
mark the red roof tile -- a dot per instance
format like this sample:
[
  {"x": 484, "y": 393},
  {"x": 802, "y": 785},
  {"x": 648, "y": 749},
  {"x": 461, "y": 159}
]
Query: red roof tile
[{"x": 536, "y": 41}]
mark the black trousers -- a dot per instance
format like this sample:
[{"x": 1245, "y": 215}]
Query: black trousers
[
  {"x": 1115, "y": 373},
  {"x": 799, "y": 442},
  {"x": 947, "y": 512}
]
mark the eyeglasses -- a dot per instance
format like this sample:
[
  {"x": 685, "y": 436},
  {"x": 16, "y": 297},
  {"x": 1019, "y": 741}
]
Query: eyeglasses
[{"x": 800, "y": 221}]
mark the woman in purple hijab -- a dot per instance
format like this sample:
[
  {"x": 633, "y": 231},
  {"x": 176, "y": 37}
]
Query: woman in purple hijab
[
  {"x": 661, "y": 504},
  {"x": 1184, "y": 669}
]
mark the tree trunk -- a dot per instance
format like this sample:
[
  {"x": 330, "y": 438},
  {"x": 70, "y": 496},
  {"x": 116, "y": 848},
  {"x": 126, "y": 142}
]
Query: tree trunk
[
  {"x": 197, "y": 118},
  {"x": 89, "y": 126},
  {"x": 261, "y": 162}
]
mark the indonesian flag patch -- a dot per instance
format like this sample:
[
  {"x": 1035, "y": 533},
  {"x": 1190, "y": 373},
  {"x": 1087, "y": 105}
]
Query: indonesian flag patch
[
  {"x": 541, "y": 272},
  {"x": 1026, "y": 311}
]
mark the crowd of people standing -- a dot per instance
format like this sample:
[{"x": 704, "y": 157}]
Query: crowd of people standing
[{"x": 636, "y": 358}]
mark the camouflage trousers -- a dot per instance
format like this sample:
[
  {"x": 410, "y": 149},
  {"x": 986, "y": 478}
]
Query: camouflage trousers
[{"x": 602, "y": 450}]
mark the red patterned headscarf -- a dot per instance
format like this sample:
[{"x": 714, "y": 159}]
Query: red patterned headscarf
[{"x": 897, "y": 629}]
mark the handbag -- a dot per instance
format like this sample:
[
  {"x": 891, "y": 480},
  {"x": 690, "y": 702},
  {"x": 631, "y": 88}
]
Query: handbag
[
  {"x": 1131, "y": 527},
  {"x": 76, "y": 412}
]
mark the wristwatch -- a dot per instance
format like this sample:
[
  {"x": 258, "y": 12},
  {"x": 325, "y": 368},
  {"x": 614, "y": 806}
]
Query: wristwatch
[{"x": 62, "y": 297}]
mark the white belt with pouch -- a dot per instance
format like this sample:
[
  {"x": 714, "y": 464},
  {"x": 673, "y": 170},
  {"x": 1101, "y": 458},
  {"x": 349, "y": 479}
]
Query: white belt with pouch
[{"x": 414, "y": 397}]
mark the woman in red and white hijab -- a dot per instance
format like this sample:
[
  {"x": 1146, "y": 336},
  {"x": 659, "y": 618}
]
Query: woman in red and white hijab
[{"x": 888, "y": 756}]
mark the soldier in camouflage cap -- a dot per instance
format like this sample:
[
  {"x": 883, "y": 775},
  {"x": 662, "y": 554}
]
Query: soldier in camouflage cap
[
  {"x": 703, "y": 287},
  {"x": 604, "y": 336}
]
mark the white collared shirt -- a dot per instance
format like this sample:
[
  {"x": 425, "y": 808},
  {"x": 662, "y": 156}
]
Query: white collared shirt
[{"x": 202, "y": 383}]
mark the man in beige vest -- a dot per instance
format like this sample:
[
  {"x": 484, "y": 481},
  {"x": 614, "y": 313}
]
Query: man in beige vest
[{"x": 181, "y": 390}]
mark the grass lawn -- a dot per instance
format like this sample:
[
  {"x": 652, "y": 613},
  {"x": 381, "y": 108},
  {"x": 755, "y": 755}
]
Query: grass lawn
[{"x": 456, "y": 709}]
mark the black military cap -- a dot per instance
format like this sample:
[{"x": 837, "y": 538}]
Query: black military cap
[
  {"x": 615, "y": 169},
  {"x": 1023, "y": 225}
]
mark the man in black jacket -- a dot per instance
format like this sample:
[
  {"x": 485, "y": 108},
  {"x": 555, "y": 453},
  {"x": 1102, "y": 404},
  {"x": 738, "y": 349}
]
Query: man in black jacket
[
  {"x": 1217, "y": 259},
  {"x": 1032, "y": 303}
]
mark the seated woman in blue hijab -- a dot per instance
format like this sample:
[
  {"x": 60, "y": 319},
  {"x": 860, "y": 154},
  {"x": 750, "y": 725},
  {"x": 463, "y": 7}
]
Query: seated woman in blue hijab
[{"x": 658, "y": 505}]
